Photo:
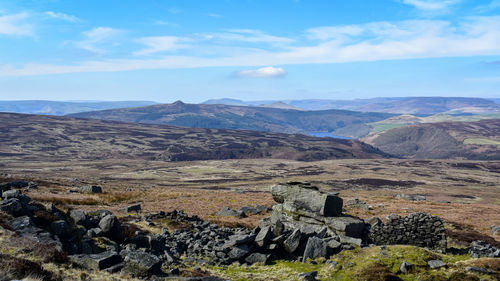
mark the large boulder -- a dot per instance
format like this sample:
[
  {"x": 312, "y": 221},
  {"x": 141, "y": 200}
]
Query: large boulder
[
  {"x": 315, "y": 248},
  {"x": 293, "y": 241},
  {"x": 305, "y": 199},
  {"x": 111, "y": 227},
  {"x": 346, "y": 225},
  {"x": 140, "y": 264}
]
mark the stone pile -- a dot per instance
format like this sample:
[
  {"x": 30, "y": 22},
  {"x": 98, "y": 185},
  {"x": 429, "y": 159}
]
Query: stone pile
[
  {"x": 418, "y": 229},
  {"x": 305, "y": 224},
  {"x": 480, "y": 249}
]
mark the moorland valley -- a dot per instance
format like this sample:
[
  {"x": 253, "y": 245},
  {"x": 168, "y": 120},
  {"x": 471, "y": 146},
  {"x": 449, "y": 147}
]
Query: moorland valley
[{"x": 246, "y": 192}]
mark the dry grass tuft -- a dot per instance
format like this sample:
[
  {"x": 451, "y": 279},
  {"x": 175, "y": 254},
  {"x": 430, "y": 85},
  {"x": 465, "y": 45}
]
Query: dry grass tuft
[{"x": 22, "y": 268}]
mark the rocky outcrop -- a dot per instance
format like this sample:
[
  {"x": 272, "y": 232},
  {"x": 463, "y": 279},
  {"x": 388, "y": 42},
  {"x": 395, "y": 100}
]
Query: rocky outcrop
[
  {"x": 306, "y": 223},
  {"x": 417, "y": 229}
]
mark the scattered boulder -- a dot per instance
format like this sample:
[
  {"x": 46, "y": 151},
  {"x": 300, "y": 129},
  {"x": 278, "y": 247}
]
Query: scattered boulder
[
  {"x": 406, "y": 267},
  {"x": 480, "y": 249},
  {"x": 435, "y": 264},
  {"x": 90, "y": 189},
  {"x": 253, "y": 210},
  {"x": 411, "y": 197},
  {"x": 228, "y": 212},
  {"x": 309, "y": 276},
  {"x": 356, "y": 203},
  {"x": 480, "y": 270},
  {"x": 132, "y": 208}
]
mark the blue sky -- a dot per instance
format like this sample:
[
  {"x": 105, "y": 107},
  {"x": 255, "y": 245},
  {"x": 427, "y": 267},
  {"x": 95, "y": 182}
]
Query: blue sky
[{"x": 194, "y": 50}]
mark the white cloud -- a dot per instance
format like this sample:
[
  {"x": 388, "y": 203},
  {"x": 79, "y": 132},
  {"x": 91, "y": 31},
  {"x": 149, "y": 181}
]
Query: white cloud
[
  {"x": 431, "y": 5},
  {"x": 213, "y": 15},
  {"x": 15, "y": 25},
  {"x": 246, "y": 35},
  {"x": 160, "y": 44},
  {"x": 264, "y": 72},
  {"x": 96, "y": 38},
  {"x": 62, "y": 16},
  {"x": 478, "y": 36}
]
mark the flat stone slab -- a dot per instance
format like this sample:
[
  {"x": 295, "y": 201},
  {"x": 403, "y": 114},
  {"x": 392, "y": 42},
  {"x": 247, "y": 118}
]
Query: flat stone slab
[{"x": 97, "y": 261}]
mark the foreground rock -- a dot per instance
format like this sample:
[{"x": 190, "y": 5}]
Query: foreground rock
[{"x": 305, "y": 223}]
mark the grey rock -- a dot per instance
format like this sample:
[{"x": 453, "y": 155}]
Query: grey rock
[
  {"x": 255, "y": 210},
  {"x": 91, "y": 189},
  {"x": 349, "y": 226},
  {"x": 315, "y": 248},
  {"x": 480, "y": 270},
  {"x": 373, "y": 221},
  {"x": 405, "y": 267},
  {"x": 238, "y": 239},
  {"x": 331, "y": 264},
  {"x": 304, "y": 198},
  {"x": 228, "y": 212},
  {"x": 133, "y": 208},
  {"x": 239, "y": 252},
  {"x": 411, "y": 197},
  {"x": 11, "y": 194},
  {"x": 60, "y": 228},
  {"x": 79, "y": 217},
  {"x": 495, "y": 230},
  {"x": 96, "y": 261},
  {"x": 434, "y": 264},
  {"x": 293, "y": 241},
  {"x": 111, "y": 227},
  {"x": 12, "y": 207},
  {"x": 257, "y": 257},
  {"x": 140, "y": 264},
  {"x": 350, "y": 240},
  {"x": 263, "y": 237},
  {"x": 309, "y": 276},
  {"x": 356, "y": 203},
  {"x": 333, "y": 245}
]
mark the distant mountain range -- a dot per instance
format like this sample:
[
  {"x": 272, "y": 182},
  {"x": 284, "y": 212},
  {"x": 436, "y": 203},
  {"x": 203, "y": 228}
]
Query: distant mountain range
[
  {"x": 63, "y": 107},
  {"x": 28, "y": 137},
  {"x": 398, "y": 105},
  {"x": 478, "y": 140},
  {"x": 267, "y": 119}
]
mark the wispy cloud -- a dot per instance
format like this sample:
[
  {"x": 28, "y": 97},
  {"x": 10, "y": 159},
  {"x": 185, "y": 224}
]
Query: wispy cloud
[
  {"x": 160, "y": 44},
  {"x": 62, "y": 16},
  {"x": 431, "y": 5},
  {"x": 264, "y": 72},
  {"x": 214, "y": 15},
  {"x": 96, "y": 38},
  {"x": 16, "y": 25},
  {"x": 365, "y": 42}
]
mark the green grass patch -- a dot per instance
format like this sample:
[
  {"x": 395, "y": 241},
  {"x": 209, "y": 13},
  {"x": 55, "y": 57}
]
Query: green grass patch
[
  {"x": 480, "y": 141},
  {"x": 370, "y": 264}
]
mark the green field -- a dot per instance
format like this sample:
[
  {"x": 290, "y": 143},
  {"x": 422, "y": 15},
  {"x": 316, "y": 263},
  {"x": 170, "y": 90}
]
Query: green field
[{"x": 480, "y": 141}]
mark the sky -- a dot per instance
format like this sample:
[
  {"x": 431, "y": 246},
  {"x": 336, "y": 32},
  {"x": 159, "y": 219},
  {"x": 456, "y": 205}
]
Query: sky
[{"x": 194, "y": 50}]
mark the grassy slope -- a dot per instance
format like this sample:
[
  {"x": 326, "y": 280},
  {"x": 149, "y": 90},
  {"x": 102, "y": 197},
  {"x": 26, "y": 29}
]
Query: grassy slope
[{"x": 367, "y": 264}]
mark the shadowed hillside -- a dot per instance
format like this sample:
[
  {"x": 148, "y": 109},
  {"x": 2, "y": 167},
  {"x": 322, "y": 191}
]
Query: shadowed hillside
[
  {"x": 472, "y": 140},
  {"x": 245, "y": 118},
  {"x": 35, "y": 137}
]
